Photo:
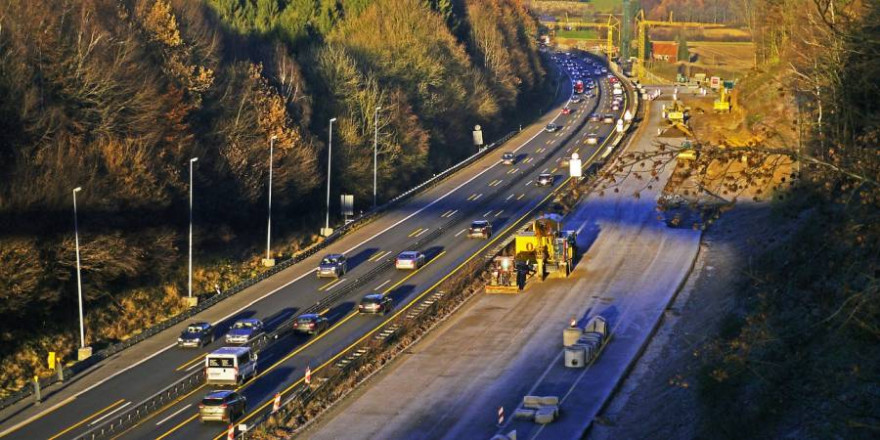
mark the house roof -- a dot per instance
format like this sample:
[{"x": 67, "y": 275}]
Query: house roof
[{"x": 670, "y": 49}]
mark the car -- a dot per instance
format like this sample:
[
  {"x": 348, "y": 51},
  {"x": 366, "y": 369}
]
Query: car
[
  {"x": 564, "y": 161},
  {"x": 333, "y": 266},
  {"x": 566, "y": 111},
  {"x": 222, "y": 406},
  {"x": 592, "y": 139},
  {"x": 196, "y": 334},
  {"x": 608, "y": 118},
  {"x": 375, "y": 303},
  {"x": 551, "y": 127},
  {"x": 545, "y": 179},
  {"x": 615, "y": 106},
  {"x": 575, "y": 100},
  {"x": 589, "y": 94},
  {"x": 480, "y": 229},
  {"x": 409, "y": 260},
  {"x": 604, "y": 69},
  {"x": 594, "y": 117},
  {"x": 310, "y": 323},
  {"x": 244, "y": 330},
  {"x": 612, "y": 79},
  {"x": 508, "y": 158}
]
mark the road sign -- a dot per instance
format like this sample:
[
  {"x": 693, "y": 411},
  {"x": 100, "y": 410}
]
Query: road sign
[
  {"x": 574, "y": 166},
  {"x": 347, "y": 204},
  {"x": 478, "y": 136}
]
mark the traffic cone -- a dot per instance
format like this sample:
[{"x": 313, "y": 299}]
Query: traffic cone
[
  {"x": 231, "y": 433},
  {"x": 308, "y": 378},
  {"x": 277, "y": 404}
]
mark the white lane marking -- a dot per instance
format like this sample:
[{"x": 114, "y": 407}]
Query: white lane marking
[
  {"x": 98, "y": 420},
  {"x": 272, "y": 292},
  {"x": 487, "y": 213},
  {"x": 477, "y": 197},
  {"x": 420, "y": 233},
  {"x": 529, "y": 182},
  {"x": 499, "y": 213},
  {"x": 382, "y": 285},
  {"x": 197, "y": 364},
  {"x": 334, "y": 285},
  {"x": 509, "y": 197},
  {"x": 172, "y": 415},
  {"x": 452, "y": 213},
  {"x": 34, "y": 417},
  {"x": 460, "y": 232},
  {"x": 446, "y": 214}
]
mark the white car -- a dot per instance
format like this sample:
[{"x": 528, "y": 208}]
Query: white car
[
  {"x": 409, "y": 260},
  {"x": 592, "y": 139},
  {"x": 551, "y": 127}
]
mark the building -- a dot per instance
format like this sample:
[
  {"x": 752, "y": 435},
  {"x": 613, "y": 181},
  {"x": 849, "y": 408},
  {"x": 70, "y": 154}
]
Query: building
[{"x": 666, "y": 51}]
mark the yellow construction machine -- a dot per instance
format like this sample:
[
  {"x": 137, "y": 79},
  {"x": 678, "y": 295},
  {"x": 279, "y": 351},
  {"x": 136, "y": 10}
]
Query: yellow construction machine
[
  {"x": 539, "y": 250},
  {"x": 725, "y": 98},
  {"x": 546, "y": 247}
]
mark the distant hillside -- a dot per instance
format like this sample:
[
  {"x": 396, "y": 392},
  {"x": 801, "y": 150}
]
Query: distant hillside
[{"x": 117, "y": 96}]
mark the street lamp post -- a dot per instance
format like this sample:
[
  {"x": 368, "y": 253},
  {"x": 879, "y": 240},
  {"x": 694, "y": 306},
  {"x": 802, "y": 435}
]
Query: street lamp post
[
  {"x": 84, "y": 352},
  {"x": 269, "y": 261},
  {"x": 327, "y": 231},
  {"x": 375, "y": 152},
  {"x": 192, "y": 302}
]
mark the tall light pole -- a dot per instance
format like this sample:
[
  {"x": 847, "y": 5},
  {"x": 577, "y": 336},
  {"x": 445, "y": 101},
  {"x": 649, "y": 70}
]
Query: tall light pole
[
  {"x": 375, "y": 152},
  {"x": 82, "y": 331},
  {"x": 269, "y": 261},
  {"x": 190, "y": 282},
  {"x": 327, "y": 230}
]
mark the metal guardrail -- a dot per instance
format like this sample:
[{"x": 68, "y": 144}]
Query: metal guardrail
[
  {"x": 130, "y": 417},
  {"x": 214, "y": 299}
]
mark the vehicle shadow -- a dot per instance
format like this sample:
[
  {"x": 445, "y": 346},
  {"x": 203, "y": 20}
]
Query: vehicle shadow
[
  {"x": 272, "y": 321},
  {"x": 338, "y": 311},
  {"x": 361, "y": 257}
]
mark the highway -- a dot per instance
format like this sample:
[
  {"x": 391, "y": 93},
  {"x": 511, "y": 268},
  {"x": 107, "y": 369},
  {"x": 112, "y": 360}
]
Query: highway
[{"x": 496, "y": 192}]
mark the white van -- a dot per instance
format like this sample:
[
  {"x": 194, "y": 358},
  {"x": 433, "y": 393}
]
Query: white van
[{"x": 230, "y": 366}]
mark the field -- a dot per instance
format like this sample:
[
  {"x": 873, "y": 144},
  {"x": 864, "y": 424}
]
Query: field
[
  {"x": 574, "y": 9},
  {"x": 586, "y": 34}
]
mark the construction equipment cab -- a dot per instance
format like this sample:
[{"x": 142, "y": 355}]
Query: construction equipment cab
[{"x": 230, "y": 366}]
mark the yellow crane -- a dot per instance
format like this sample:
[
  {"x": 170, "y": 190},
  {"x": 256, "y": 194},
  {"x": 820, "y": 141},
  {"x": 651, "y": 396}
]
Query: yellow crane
[
  {"x": 612, "y": 24},
  {"x": 643, "y": 25}
]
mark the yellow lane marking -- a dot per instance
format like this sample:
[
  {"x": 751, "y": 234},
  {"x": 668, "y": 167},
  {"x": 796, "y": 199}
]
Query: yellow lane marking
[
  {"x": 394, "y": 286},
  {"x": 477, "y": 197},
  {"x": 472, "y": 196},
  {"x": 85, "y": 420},
  {"x": 180, "y": 425},
  {"x": 190, "y": 362},
  {"x": 413, "y": 233},
  {"x": 160, "y": 411},
  {"x": 554, "y": 170},
  {"x": 521, "y": 196},
  {"x": 328, "y": 284},
  {"x": 37, "y": 417},
  {"x": 331, "y": 284}
]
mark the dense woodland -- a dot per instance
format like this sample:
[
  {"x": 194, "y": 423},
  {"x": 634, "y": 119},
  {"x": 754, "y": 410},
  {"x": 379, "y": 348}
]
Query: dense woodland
[
  {"x": 117, "y": 96},
  {"x": 799, "y": 356}
]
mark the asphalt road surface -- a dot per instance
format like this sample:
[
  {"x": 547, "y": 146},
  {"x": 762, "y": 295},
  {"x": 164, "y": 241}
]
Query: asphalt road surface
[{"x": 496, "y": 192}]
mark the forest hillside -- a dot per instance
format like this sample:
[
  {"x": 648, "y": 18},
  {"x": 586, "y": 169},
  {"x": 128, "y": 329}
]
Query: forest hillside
[{"x": 116, "y": 97}]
